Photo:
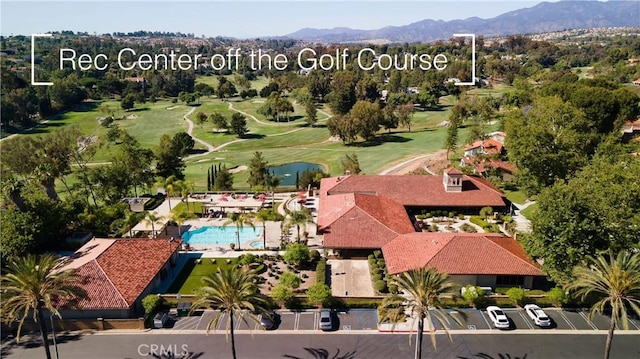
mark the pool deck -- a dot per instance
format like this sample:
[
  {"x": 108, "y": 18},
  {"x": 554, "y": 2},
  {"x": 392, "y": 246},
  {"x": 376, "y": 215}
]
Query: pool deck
[{"x": 273, "y": 234}]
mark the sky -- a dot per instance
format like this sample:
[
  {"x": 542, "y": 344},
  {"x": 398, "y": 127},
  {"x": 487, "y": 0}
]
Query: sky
[{"x": 241, "y": 19}]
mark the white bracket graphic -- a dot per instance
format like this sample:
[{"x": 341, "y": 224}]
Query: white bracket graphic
[
  {"x": 473, "y": 60},
  {"x": 33, "y": 56}
]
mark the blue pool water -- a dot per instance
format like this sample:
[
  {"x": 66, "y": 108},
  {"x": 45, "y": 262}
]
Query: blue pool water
[{"x": 213, "y": 235}]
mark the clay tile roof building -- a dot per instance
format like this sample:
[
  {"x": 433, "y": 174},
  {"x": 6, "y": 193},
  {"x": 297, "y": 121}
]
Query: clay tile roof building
[
  {"x": 359, "y": 212},
  {"x": 118, "y": 273},
  {"x": 494, "y": 260},
  {"x": 487, "y": 147}
]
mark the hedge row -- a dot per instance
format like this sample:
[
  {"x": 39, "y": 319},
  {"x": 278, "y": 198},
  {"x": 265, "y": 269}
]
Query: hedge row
[{"x": 321, "y": 271}]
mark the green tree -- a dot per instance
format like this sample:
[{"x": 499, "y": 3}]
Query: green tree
[
  {"x": 258, "y": 170},
  {"x": 32, "y": 285},
  {"x": 150, "y": 303},
  {"x": 343, "y": 127},
  {"x": 219, "y": 121},
  {"x": 239, "y": 125},
  {"x": 225, "y": 88},
  {"x": 296, "y": 254},
  {"x": 239, "y": 220},
  {"x": 233, "y": 292},
  {"x": 169, "y": 161},
  {"x": 127, "y": 102},
  {"x": 299, "y": 218},
  {"x": 550, "y": 142},
  {"x": 223, "y": 180},
  {"x": 343, "y": 94},
  {"x": 290, "y": 280},
  {"x": 263, "y": 216},
  {"x": 350, "y": 163},
  {"x": 368, "y": 117},
  {"x": 615, "y": 282},
  {"x": 311, "y": 113},
  {"x": 596, "y": 211},
  {"x": 423, "y": 289},
  {"x": 152, "y": 218},
  {"x": 318, "y": 293},
  {"x": 272, "y": 182},
  {"x": 183, "y": 143},
  {"x": 201, "y": 118},
  {"x": 517, "y": 295},
  {"x": 180, "y": 217},
  {"x": 405, "y": 115},
  {"x": 20, "y": 233},
  {"x": 282, "y": 293}
]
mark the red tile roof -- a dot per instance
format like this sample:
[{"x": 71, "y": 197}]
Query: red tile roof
[
  {"x": 362, "y": 221},
  {"x": 458, "y": 253},
  {"x": 489, "y": 146},
  {"x": 453, "y": 171},
  {"x": 118, "y": 271},
  {"x": 416, "y": 190}
]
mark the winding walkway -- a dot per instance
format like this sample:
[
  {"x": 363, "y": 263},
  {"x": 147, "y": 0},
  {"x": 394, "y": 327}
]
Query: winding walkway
[{"x": 209, "y": 147}]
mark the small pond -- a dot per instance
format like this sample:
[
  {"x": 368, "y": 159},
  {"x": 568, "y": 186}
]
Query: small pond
[{"x": 287, "y": 172}]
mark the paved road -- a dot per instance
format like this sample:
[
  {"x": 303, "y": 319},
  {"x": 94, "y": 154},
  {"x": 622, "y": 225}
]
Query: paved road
[{"x": 266, "y": 345}]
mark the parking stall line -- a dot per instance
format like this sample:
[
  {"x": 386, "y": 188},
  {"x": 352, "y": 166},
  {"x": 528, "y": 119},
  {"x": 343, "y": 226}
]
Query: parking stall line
[
  {"x": 633, "y": 323},
  {"x": 567, "y": 320},
  {"x": 296, "y": 321},
  {"x": 485, "y": 320},
  {"x": 588, "y": 321},
  {"x": 526, "y": 319}
]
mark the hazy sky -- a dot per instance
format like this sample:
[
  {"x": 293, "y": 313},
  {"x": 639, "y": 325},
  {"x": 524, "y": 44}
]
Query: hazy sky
[{"x": 238, "y": 18}]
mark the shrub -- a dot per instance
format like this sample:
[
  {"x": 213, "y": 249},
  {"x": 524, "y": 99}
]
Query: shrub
[
  {"x": 376, "y": 277},
  {"x": 314, "y": 255},
  {"x": 376, "y": 270},
  {"x": 282, "y": 293},
  {"x": 151, "y": 302},
  {"x": 557, "y": 296},
  {"x": 381, "y": 263},
  {"x": 290, "y": 280},
  {"x": 380, "y": 286},
  {"x": 460, "y": 216},
  {"x": 393, "y": 288},
  {"x": 247, "y": 259},
  {"x": 371, "y": 261},
  {"x": 321, "y": 271},
  {"x": 377, "y": 253},
  {"x": 466, "y": 227},
  {"x": 471, "y": 293},
  {"x": 318, "y": 293},
  {"x": 296, "y": 254},
  {"x": 370, "y": 257},
  {"x": 451, "y": 214},
  {"x": 428, "y": 215},
  {"x": 517, "y": 295}
]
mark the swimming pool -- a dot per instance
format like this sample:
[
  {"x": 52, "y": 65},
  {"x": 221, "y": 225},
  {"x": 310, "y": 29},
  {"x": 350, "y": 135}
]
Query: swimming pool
[{"x": 213, "y": 235}]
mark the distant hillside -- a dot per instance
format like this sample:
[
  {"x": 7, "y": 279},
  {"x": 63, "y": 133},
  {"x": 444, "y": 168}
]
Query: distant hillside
[{"x": 544, "y": 17}]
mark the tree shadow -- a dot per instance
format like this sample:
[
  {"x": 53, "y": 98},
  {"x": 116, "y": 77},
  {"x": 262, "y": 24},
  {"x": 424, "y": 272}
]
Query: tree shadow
[
  {"x": 250, "y": 136},
  {"x": 320, "y": 353},
  {"x": 196, "y": 151},
  {"x": 386, "y": 138}
]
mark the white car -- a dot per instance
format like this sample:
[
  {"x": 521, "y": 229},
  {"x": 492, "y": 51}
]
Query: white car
[
  {"x": 537, "y": 315},
  {"x": 498, "y": 317}
]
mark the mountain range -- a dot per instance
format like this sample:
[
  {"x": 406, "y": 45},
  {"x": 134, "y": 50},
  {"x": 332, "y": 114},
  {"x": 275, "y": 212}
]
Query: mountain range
[{"x": 544, "y": 17}]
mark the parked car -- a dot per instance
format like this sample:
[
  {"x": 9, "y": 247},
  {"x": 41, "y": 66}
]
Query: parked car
[
  {"x": 326, "y": 320},
  {"x": 160, "y": 320},
  {"x": 498, "y": 317},
  {"x": 537, "y": 315},
  {"x": 269, "y": 320}
]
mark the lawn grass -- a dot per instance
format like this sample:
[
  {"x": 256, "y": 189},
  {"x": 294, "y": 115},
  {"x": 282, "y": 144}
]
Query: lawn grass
[
  {"x": 190, "y": 278},
  {"x": 515, "y": 196},
  {"x": 530, "y": 211}
]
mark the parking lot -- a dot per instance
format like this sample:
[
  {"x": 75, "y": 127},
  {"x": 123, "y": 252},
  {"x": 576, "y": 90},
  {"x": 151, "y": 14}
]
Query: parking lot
[{"x": 366, "y": 319}]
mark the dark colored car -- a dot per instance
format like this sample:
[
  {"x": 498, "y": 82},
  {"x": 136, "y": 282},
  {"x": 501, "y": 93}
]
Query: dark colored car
[{"x": 269, "y": 320}]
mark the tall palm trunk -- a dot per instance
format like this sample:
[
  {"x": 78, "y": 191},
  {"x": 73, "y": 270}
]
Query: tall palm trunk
[
  {"x": 264, "y": 235},
  {"x": 233, "y": 339},
  {"x": 238, "y": 236},
  {"x": 419, "y": 338},
  {"x": 43, "y": 332},
  {"x": 607, "y": 346}
]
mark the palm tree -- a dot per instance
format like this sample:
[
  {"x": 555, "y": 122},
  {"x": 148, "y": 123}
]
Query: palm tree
[
  {"x": 181, "y": 216},
  {"x": 130, "y": 220},
  {"x": 263, "y": 216},
  {"x": 232, "y": 291},
  {"x": 152, "y": 218},
  {"x": 422, "y": 290},
  {"x": 300, "y": 218},
  {"x": 239, "y": 220},
  {"x": 186, "y": 187},
  {"x": 31, "y": 285},
  {"x": 272, "y": 183},
  {"x": 615, "y": 282}
]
